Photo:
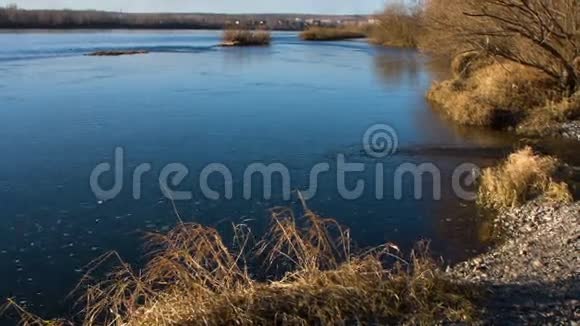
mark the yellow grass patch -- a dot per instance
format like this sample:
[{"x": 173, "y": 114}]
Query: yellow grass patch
[{"x": 523, "y": 176}]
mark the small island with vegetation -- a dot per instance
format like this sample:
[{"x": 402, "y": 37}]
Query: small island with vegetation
[{"x": 246, "y": 38}]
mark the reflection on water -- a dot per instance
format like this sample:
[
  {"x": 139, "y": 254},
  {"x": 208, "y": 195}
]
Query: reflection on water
[
  {"x": 400, "y": 69},
  {"x": 407, "y": 66}
]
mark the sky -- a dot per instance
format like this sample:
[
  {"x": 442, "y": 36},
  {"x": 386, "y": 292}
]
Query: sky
[{"x": 222, "y": 6}]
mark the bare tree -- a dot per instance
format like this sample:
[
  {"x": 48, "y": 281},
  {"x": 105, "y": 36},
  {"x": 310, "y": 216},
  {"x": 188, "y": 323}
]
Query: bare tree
[{"x": 543, "y": 34}]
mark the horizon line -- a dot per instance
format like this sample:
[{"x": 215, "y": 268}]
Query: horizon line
[{"x": 195, "y": 13}]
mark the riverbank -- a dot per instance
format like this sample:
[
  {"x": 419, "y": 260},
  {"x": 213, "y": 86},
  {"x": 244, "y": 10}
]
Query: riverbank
[{"x": 533, "y": 277}]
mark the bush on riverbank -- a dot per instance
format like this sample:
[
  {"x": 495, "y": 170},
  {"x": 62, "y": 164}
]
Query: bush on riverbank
[
  {"x": 525, "y": 175},
  {"x": 398, "y": 26},
  {"x": 246, "y": 38},
  {"x": 314, "y": 278},
  {"x": 493, "y": 94},
  {"x": 500, "y": 94},
  {"x": 333, "y": 33}
]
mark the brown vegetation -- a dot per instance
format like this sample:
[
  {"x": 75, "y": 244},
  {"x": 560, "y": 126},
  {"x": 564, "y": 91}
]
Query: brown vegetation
[
  {"x": 332, "y": 33},
  {"x": 312, "y": 278},
  {"x": 502, "y": 94},
  {"x": 398, "y": 26},
  {"x": 525, "y": 175},
  {"x": 246, "y": 38},
  {"x": 497, "y": 94}
]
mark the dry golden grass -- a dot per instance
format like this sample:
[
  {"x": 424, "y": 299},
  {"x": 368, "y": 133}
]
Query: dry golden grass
[
  {"x": 309, "y": 277},
  {"x": 246, "y": 38},
  {"x": 332, "y": 33},
  {"x": 523, "y": 176},
  {"x": 498, "y": 95},
  {"x": 460, "y": 105}
]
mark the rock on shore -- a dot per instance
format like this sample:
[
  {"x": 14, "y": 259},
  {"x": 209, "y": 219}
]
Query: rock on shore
[{"x": 534, "y": 276}]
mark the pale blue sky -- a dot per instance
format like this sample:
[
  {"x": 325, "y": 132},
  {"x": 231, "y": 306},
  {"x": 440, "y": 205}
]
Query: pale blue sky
[{"x": 229, "y": 6}]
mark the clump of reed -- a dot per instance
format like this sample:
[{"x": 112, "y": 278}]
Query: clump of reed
[
  {"x": 303, "y": 271},
  {"x": 246, "y": 38},
  {"x": 333, "y": 33},
  {"x": 525, "y": 175}
]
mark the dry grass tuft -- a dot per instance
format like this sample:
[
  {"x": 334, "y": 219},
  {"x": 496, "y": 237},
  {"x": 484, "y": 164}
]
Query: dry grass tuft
[
  {"x": 312, "y": 278},
  {"x": 524, "y": 176},
  {"x": 332, "y": 33},
  {"x": 246, "y": 38}
]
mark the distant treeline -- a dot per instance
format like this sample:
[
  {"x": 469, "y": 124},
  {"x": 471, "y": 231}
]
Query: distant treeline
[{"x": 12, "y": 17}]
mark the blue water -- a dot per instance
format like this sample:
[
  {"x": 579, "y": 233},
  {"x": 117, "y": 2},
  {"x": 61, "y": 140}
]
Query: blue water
[{"x": 191, "y": 102}]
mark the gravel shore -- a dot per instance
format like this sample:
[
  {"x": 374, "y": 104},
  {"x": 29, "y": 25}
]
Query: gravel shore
[
  {"x": 533, "y": 277},
  {"x": 571, "y": 130}
]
